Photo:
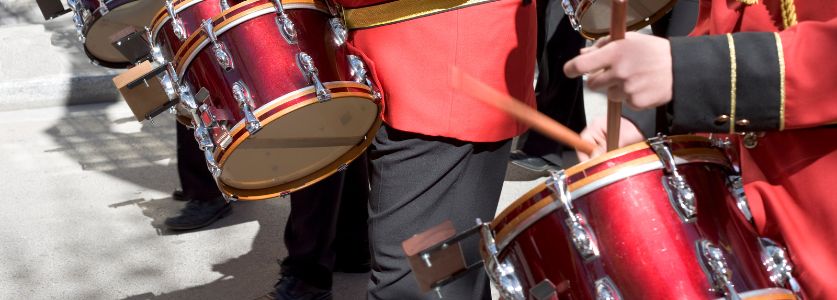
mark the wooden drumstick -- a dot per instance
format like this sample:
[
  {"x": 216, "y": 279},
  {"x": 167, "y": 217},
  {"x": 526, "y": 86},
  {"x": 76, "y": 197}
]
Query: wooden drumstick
[
  {"x": 614, "y": 106},
  {"x": 535, "y": 119}
]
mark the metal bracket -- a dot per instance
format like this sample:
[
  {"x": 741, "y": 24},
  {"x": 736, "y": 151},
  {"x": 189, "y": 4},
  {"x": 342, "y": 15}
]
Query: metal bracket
[
  {"x": 241, "y": 93},
  {"x": 306, "y": 64},
  {"x": 78, "y": 17},
  {"x": 580, "y": 232},
  {"x": 502, "y": 274},
  {"x": 680, "y": 193},
  {"x": 222, "y": 137},
  {"x": 339, "y": 30},
  {"x": 222, "y": 55},
  {"x": 606, "y": 289},
  {"x": 712, "y": 259},
  {"x": 779, "y": 268},
  {"x": 224, "y": 5},
  {"x": 286, "y": 26},
  {"x": 736, "y": 188},
  {"x": 103, "y": 7},
  {"x": 176, "y": 22},
  {"x": 360, "y": 75},
  {"x": 570, "y": 12}
]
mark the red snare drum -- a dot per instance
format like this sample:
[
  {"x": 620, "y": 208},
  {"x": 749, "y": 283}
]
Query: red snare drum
[
  {"x": 284, "y": 105},
  {"x": 592, "y": 18},
  {"x": 652, "y": 220},
  {"x": 97, "y": 20}
]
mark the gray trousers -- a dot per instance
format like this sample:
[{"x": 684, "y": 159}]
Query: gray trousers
[{"x": 418, "y": 182}]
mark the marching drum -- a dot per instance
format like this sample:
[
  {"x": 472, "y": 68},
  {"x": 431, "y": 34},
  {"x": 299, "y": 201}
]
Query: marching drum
[
  {"x": 277, "y": 101},
  {"x": 664, "y": 219},
  {"x": 97, "y": 21},
  {"x": 592, "y": 17}
]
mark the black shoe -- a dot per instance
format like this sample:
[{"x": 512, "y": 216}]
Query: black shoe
[
  {"x": 531, "y": 163},
  {"x": 199, "y": 214},
  {"x": 292, "y": 288},
  {"x": 178, "y": 195}
]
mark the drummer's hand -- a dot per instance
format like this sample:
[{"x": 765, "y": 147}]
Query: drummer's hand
[
  {"x": 596, "y": 133},
  {"x": 636, "y": 69}
]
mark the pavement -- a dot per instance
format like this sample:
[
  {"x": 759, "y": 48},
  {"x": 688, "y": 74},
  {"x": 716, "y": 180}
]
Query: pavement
[{"x": 86, "y": 188}]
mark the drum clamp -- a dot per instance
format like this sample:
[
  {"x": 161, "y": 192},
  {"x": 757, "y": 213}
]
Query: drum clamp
[
  {"x": 360, "y": 75},
  {"x": 224, "y": 5},
  {"x": 339, "y": 30},
  {"x": 222, "y": 56},
  {"x": 606, "y": 289},
  {"x": 570, "y": 12},
  {"x": 286, "y": 26},
  {"x": 713, "y": 261},
  {"x": 306, "y": 64},
  {"x": 777, "y": 265},
  {"x": 103, "y": 7},
  {"x": 502, "y": 274},
  {"x": 678, "y": 190},
  {"x": 241, "y": 93},
  {"x": 222, "y": 138},
  {"x": 736, "y": 188},
  {"x": 78, "y": 18},
  {"x": 176, "y": 22},
  {"x": 581, "y": 234}
]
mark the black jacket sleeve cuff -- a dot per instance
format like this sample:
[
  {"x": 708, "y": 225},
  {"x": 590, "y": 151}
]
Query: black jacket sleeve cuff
[{"x": 727, "y": 83}]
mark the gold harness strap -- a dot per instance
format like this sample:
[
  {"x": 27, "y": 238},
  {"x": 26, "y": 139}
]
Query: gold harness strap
[{"x": 401, "y": 10}]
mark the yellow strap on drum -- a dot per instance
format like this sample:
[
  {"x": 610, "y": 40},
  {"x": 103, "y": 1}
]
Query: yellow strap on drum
[{"x": 401, "y": 10}]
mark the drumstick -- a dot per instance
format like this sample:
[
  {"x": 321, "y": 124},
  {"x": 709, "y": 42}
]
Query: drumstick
[
  {"x": 614, "y": 106},
  {"x": 535, "y": 119}
]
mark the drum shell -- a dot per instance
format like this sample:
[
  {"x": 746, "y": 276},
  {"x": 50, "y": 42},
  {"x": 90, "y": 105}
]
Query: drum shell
[
  {"x": 267, "y": 64},
  {"x": 645, "y": 248}
]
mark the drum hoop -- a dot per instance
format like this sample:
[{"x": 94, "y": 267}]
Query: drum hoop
[
  {"x": 199, "y": 40},
  {"x": 163, "y": 16},
  {"x": 297, "y": 99},
  {"x": 768, "y": 294},
  {"x": 547, "y": 205}
]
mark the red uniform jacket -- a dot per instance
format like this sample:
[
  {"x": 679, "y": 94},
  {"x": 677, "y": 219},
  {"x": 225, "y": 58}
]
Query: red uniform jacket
[
  {"x": 411, "y": 61},
  {"x": 784, "y": 86}
]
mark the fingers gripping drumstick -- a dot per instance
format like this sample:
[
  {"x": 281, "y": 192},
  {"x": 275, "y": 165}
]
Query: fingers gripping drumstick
[
  {"x": 520, "y": 111},
  {"x": 614, "y": 107}
]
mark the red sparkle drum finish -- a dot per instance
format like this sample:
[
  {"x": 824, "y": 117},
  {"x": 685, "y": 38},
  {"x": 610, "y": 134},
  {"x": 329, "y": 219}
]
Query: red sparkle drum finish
[
  {"x": 97, "y": 21},
  {"x": 190, "y": 14},
  {"x": 646, "y": 249},
  {"x": 302, "y": 138}
]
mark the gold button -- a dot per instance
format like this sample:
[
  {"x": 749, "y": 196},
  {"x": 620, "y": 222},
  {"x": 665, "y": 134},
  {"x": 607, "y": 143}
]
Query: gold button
[
  {"x": 742, "y": 122},
  {"x": 720, "y": 120}
]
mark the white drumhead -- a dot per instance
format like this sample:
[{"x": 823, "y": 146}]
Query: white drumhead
[{"x": 299, "y": 144}]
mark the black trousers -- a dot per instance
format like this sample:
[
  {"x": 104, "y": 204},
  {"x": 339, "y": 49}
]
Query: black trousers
[
  {"x": 558, "y": 97},
  {"x": 195, "y": 179},
  {"x": 418, "y": 182},
  {"x": 327, "y": 225}
]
